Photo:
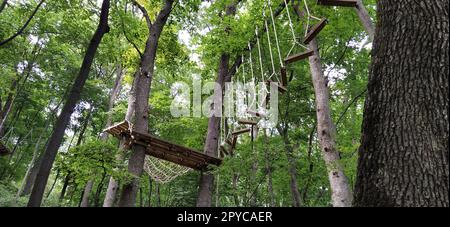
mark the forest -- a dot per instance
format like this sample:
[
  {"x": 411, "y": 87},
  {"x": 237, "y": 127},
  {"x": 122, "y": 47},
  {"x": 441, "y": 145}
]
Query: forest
[{"x": 224, "y": 103}]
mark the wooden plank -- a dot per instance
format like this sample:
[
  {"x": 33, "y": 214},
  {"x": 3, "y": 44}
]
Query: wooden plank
[
  {"x": 240, "y": 132},
  {"x": 343, "y": 3},
  {"x": 247, "y": 122},
  {"x": 255, "y": 114},
  {"x": 299, "y": 57},
  {"x": 281, "y": 89},
  {"x": 315, "y": 31},
  {"x": 234, "y": 142}
]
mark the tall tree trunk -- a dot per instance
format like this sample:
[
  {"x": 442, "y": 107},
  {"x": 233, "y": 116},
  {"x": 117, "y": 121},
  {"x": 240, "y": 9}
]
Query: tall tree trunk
[
  {"x": 64, "y": 188},
  {"x": 296, "y": 198},
  {"x": 150, "y": 187},
  {"x": 206, "y": 188},
  {"x": 365, "y": 19},
  {"x": 144, "y": 75},
  {"x": 113, "y": 185},
  {"x": 86, "y": 193},
  {"x": 404, "y": 157},
  {"x": 269, "y": 170},
  {"x": 64, "y": 118},
  {"x": 99, "y": 190},
  {"x": 53, "y": 185},
  {"x": 341, "y": 194},
  {"x": 26, "y": 184}
]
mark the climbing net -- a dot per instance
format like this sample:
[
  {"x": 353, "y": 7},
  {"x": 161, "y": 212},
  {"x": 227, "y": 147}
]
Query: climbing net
[
  {"x": 160, "y": 170},
  {"x": 163, "y": 171}
]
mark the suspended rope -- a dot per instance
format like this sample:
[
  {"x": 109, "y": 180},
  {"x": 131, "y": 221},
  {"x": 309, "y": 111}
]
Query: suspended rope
[
  {"x": 276, "y": 34},
  {"x": 294, "y": 37},
  {"x": 270, "y": 46}
]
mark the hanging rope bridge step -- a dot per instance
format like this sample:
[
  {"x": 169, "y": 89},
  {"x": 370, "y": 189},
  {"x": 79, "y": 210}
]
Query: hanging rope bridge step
[
  {"x": 343, "y": 3},
  {"x": 3, "y": 150},
  {"x": 162, "y": 149},
  {"x": 281, "y": 88},
  {"x": 315, "y": 31},
  {"x": 299, "y": 57},
  {"x": 255, "y": 114},
  {"x": 240, "y": 132},
  {"x": 247, "y": 122}
]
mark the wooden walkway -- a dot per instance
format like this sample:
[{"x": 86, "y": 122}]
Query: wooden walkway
[{"x": 164, "y": 150}]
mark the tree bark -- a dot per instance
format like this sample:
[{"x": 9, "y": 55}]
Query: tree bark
[
  {"x": 269, "y": 170},
  {"x": 341, "y": 194},
  {"x": 144, "y": 75},
  {"x": 206, "y": 186},
  {"x": 64, "y": 118},
  {"x": 87, "y": 192},
  {"x": 113, "y": 185},
  {"x": 30, "y": 175},
  {"x": 64, "y": 188},
  {"x": 404, "y": 157},
  {"x": 365, "y": 19},
  {"x": 296, "y": 198}
]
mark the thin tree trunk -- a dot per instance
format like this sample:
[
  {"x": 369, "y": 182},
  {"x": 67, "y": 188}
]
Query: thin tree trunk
[
  {"x": 86, "y": 193},
  {"x": 150, "y": 187},
  {"x": 341, "y": 193},
  {"x": 64, "y": 118},
  {"x": 99, "y": 190},
  {"x": 53, "y": 185},
  {"x": 365, "y": 19},
  {"x": 269, "y": 171},
  {"x": 205, "y": 193},
  {"x": 404, "y": 156},
  {"x": 26, "y": 184},
  {"x": 296, "y": 198},
  {"x": 64, "y": 188},
  {"x": 144, "y": 75},
  {"x": 113, "y": 185}
]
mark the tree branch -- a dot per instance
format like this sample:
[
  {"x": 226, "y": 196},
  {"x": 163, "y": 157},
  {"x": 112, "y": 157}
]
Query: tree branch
[
  {"x": 24, "y": 26},
  {"x": 145, "y": 13},
  {"x": 2, "y": 6}
]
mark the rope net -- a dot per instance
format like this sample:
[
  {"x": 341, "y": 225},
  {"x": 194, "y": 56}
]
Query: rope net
[{"x": 163, "y": 171}]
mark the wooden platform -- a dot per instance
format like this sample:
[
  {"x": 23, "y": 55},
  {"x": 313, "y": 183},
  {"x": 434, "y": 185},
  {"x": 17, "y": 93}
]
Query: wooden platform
[
  {"x": 343, "y": 3},
  {"x": 255, "y": 114},
  {"x": 163, "y": 149},
  {"x": 299, "y": 57},
  {"x": 315, "y": 31},
  {"x": 3, "y": 150},
  {"x": 240, "y": 132}
]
